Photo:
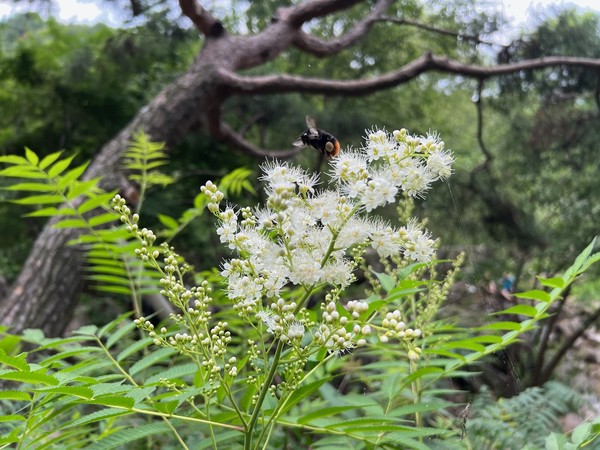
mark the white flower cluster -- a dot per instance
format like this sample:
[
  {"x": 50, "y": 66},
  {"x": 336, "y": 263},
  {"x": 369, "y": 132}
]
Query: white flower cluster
[{"x": 302, "y": 235}]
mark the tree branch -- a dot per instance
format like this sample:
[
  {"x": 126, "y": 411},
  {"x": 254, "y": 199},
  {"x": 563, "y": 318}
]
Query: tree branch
[
  {"x": 320, "y": 47},
  {"x": 273, "y": 84},
  {"x": 443, "y": 31},
  {"x": 299, "y": 14},
  {"x": 205, "y": 22},
  {"x": 236, "y": 140}
]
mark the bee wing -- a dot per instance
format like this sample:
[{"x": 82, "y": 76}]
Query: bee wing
[
  {"x": 298, "y": 142},
  {"x": 311, "y": 124}
]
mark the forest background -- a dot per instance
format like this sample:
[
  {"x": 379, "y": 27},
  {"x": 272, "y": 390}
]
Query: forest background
[{"x": 524, "y": 197}]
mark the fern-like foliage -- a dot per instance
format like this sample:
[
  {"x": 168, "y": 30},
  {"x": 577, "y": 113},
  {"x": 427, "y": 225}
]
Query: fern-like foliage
[
  {"x": 57, "y": 190},
  {"x": 521, "y": 421}
]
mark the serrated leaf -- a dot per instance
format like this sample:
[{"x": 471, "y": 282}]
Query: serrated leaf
[
  {"x": 154, "y": 357},
  {"x": 122, "y": 290},
  {"x": 37, "y": 377},
  {"x": 118, "y": 401},
  {"x": 49, "y": 159},
  {"x": 175, "y": 372},
  {"x": 15, "y": 395},
  {"x": 555, "y": 282},
  {"x": 31, "y": 187},
  {"x": 102, "y": 219},
  {"x": 524, "y": 310},
  {"x": 535, "y": 294},
  {"x": 60, "y": 166},
  {"x": 44, "y": 212},
  {"x": 324, "y": 412},
  {"x": 303, "y": 392},
  {"x": 39, "y": 199},
  {"x": 95, "y": 202},
  {"x": 77, "y": 187},
  {"x": 127, "y": 435},
  {"x": 134, "y": 348},
  {"x": 18, "y": 362},
  {"x": 120, "y": 333},
  {"x": 581, "y": 433},
  {"x": 13, "y": 418},
  {"x": 168, "y": 221},
  {"x": 31, "y": 156},
  {"x": 387, "y": 282},
  {"x": 96, "y": 416},
  {"x": 71, "y": 223},
  {"x": 27, "y": 172},
  {"x": 75, "y": 391},
  {"x": 12, "y": 159}
]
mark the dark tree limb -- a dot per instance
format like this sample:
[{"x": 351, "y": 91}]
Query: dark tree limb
[
  {"x": 282, "y": 83},
  {"x": 201, "y": 18},
  {"x": 320, "y": 47},
  {"x": 442, "y": 31}
]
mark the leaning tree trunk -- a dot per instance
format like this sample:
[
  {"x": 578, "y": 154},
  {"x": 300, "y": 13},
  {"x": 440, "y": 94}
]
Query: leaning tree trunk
[{"x": 47, "y": 289}]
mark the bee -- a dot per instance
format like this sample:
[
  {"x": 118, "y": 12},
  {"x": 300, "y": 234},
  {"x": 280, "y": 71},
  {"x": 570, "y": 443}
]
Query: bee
[{"x": 322, "y": 140}]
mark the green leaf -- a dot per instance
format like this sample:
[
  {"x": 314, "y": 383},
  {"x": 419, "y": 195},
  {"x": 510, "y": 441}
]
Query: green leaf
[
  {"x": 60, "y": 166},
  {"x": 71, "y": 223},
  {"x": 324, "y": 412},
  {"x": 556, "y": 282},
  {"x": 581, "y": 433},
  {"x": 120, "y": 333},
  {"x": 127, "y": 435},
  {"x": 168, "y": 221},
  {"x": 118, "y": 401},
  {"x": 15, "y": 395},
  {"x": 387, "y": 282},
  {"x": 303, "y": 392},
  {"x": 31, "y": 156},
  {"x": 154, "y": 357},
  {"x": 12, "y": 159},
  {"x": 23, "y": 172},
  {"x": 175, "y": 372},
  {"x": 13, "y": 418},
  {"x": 39, "y": 200},
  {"x": 75, "y": 391},
  {"x": 535, "y": 294},
  {"x": 95, "y": 201},
  {"x": 31, "y": 187},
  {"x": 524, "y": 310},
  {"x": 44, "y": 212},
  {"x": 37, "y": 377},
  {"x": 18, "y": 362},
  {"x": 97, "y": 416},
  {"x": 77, "y": 188},
  {"x": 101, "y": 219},
  {"x": 49, "y": 159}
]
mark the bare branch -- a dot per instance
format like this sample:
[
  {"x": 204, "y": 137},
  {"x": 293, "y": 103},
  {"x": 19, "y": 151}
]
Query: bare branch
[
  {"x": 237, "y": 141},
  {"x": 299, "y": 14},
  {"x": 272, "y": 84},
  {"x": 443, "y": 31},
  {"x": 320, "y": 47},
  {"x": 204, "y": 21}
]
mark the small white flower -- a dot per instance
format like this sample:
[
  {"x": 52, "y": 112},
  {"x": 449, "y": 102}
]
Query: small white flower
[
  {"x": 379, "y": 192},
  {"x": 440, "y": 163},
  {"x": 305, "y": 269},
  {"x": 384, "y": 239},
  {"x": 349, "y": 167},
  {"x": 380, "y": 144}
]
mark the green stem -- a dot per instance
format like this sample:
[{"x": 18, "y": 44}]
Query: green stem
[{"x": 261, "y": 397}]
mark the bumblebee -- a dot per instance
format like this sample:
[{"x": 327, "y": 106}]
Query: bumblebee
[{"x": 314, "y": 137}]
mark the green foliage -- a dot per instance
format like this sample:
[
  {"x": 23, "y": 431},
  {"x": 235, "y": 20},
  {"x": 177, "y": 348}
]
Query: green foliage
[
  {"x": 525, "y": 420},
  {"x": 104, "y": 387}
]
